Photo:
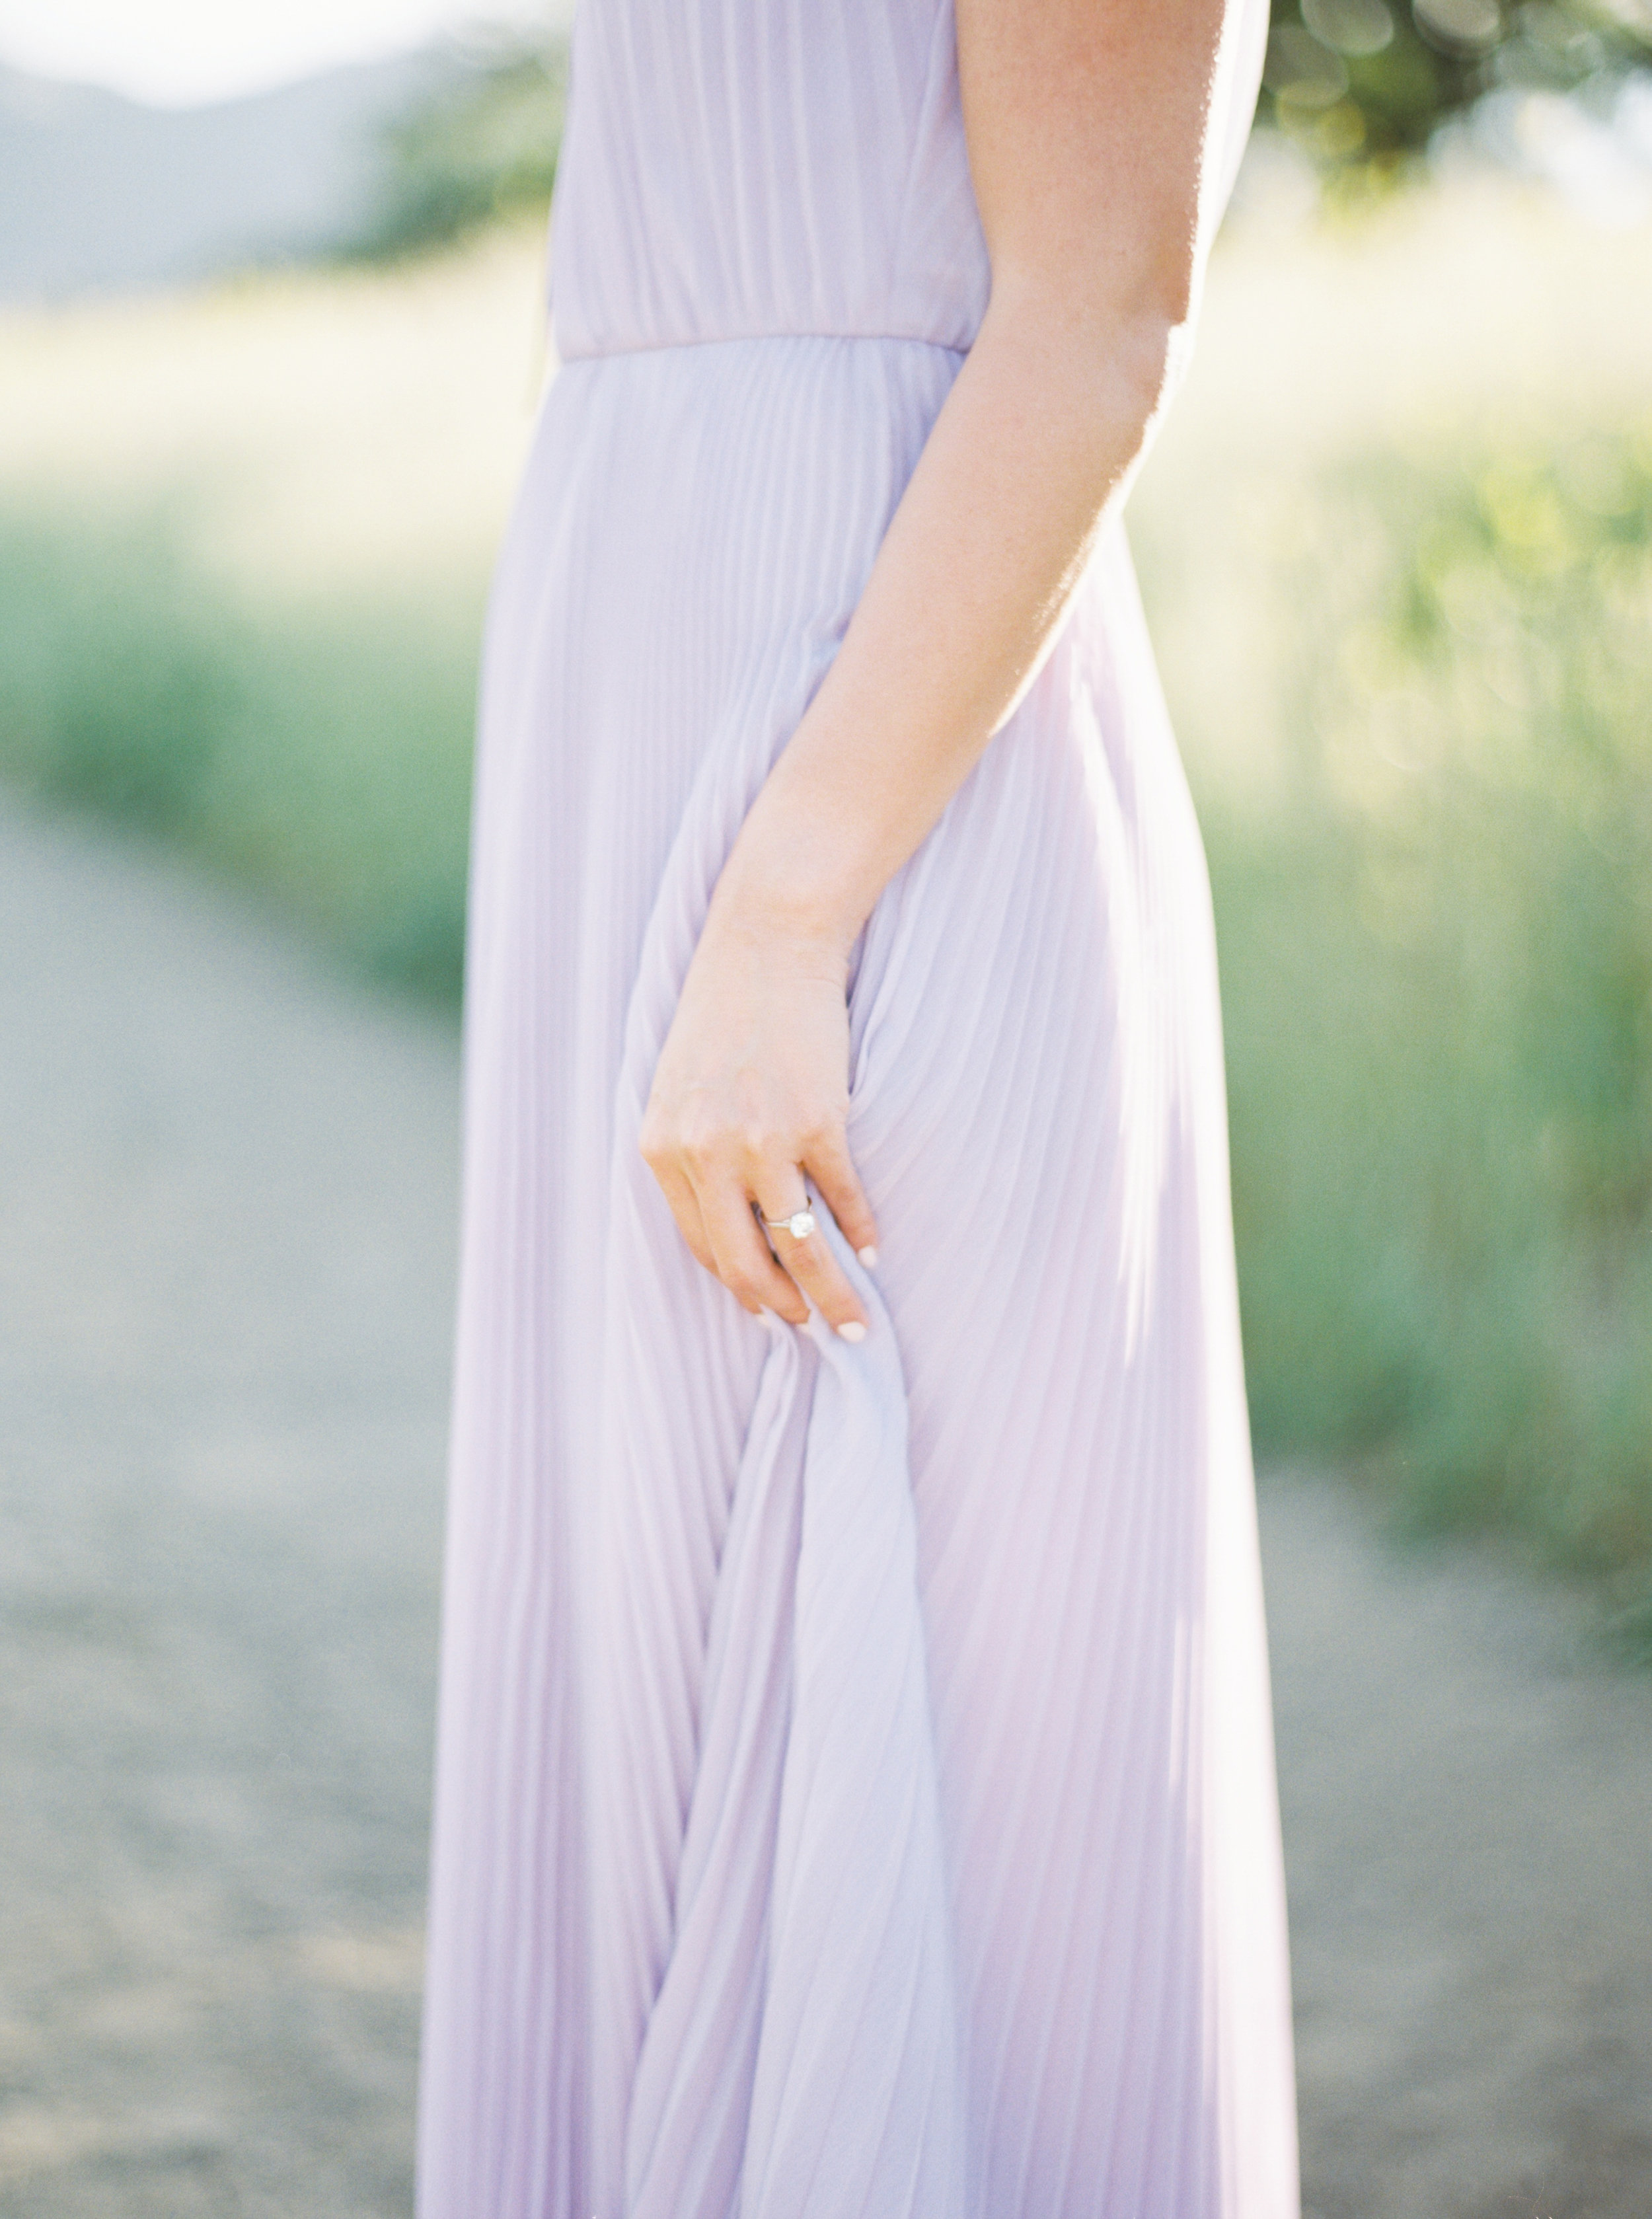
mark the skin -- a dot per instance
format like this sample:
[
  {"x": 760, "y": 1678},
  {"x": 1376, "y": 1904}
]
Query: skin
[{"x": 1087, "y": 123}]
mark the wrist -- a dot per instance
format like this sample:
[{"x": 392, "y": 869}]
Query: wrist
[
  {"x": 776, "y": 915},
  {"x": 776, "y": 905}
]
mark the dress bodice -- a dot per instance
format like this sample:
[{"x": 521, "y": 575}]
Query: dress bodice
[
  {"x": 768, "y": 165},
  {"x": 736, "y": 168}
]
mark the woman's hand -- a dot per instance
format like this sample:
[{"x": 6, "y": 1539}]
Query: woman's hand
[{"x": 752, "y": 1093}]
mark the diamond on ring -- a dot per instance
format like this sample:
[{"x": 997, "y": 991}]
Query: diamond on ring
[{"x": 799, "y": 1225}]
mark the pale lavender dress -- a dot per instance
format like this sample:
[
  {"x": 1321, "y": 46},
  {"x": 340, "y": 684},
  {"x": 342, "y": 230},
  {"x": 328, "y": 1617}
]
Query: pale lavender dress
[{"x": 855, "y": 1786}]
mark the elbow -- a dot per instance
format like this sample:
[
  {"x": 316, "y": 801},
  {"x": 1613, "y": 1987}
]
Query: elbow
[
  {"x": 1122, "y": 317},
  {"x": 1140, "y": 349},
  {"x": 1140, "y": 311},
  {"x": 1163, "y": 280}
]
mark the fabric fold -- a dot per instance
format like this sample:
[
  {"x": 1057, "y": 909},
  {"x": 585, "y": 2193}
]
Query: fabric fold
[{"x": 799, "y": 2060}]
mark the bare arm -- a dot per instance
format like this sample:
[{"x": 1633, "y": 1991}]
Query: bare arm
[{"x": 1087, "y": 124}]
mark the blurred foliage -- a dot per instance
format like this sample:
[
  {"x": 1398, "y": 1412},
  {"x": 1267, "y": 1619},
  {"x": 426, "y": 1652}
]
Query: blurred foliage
[
  {"x": 320, "y": 751},
  {"x": 1361, "y": 85},
  {"x": 119, "y": 686},
  {"x": 481, "y": 144},
  {"x": 1438, "y": 980}
]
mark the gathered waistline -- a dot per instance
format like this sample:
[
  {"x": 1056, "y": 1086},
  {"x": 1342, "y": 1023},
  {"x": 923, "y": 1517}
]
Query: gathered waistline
[{"x": 750, "y": 339}]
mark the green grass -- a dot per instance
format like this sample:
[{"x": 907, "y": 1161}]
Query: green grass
[
  {"x": 1406, "y": 622},
  {"x": 1435, "y": 930},
  {"x": 316, "y": 749}
]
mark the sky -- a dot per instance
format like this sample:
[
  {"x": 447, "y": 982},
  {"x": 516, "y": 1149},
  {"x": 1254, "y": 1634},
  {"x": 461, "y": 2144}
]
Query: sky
[{"x": 179, "y": 52}]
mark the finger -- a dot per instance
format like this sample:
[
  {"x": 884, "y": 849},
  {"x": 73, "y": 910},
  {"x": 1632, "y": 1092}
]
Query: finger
[
  {"x": 685, "y": 1208},
  {"x": 829, "y": 1163},
  {"x": 811, "y": 1261},
  {"x": 742, "y": 1260}
]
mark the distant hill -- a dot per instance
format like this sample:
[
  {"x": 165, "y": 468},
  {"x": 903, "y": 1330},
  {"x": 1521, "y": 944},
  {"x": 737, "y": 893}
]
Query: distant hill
[{"x": 99, "y": 193}]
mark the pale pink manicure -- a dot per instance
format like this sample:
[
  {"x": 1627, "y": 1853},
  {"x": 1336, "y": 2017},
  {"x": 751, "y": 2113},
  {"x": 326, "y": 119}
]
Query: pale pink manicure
[
  {"x": 868, "y": 1256},
  {"x": 854, "y": 1330}
]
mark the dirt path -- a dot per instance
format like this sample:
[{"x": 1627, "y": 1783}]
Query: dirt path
[{"x": 226, "y": 1185}]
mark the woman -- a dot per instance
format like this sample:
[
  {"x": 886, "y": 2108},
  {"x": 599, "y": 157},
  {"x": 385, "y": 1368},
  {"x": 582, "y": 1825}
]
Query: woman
[{"x": 855, "y": 1782}]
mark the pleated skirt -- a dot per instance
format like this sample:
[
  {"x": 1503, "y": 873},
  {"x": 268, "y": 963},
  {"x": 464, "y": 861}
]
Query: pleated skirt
[{"x": 855, "y": 1785}]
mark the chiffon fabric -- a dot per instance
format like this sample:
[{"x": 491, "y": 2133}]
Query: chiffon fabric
[{"x": 855, "y": 1783}]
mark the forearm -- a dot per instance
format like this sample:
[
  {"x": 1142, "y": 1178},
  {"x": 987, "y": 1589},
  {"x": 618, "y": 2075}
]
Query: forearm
[{"x": 1035, "y": 439}]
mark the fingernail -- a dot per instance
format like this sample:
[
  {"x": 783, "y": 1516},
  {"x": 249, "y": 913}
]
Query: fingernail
[
  {"x": 854, "y": 1330},
  {"x": 868, "y": 1256}
]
